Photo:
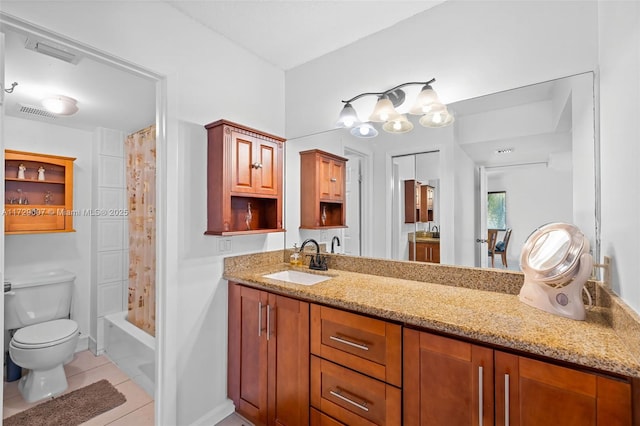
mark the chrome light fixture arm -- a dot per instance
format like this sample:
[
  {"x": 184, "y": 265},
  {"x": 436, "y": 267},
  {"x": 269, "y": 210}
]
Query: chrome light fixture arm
[{"x": 386, "y": 92}]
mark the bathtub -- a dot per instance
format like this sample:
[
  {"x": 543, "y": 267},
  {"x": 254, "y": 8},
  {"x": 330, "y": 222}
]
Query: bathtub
[{"x": 131, "y": 349}]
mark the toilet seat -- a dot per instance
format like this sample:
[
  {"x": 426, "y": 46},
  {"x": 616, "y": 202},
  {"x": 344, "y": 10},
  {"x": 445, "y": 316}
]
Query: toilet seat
[{"x": 46, "y": 334}]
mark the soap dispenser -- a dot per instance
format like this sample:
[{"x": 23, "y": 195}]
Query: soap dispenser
[{"x": 294, "y": 259}]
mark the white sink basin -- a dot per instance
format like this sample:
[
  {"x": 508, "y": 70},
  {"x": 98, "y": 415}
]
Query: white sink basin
[{"x": 297, "y": 277}]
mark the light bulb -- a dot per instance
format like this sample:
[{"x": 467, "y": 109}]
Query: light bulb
[
  {"x": 364, "y": 130},
  {"x": 437, "y": 118},
  {"x": 397, "y": 125}
]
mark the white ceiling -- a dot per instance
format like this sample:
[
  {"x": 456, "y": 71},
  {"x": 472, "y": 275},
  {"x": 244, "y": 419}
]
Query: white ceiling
[{"x": 290, "y": 33}]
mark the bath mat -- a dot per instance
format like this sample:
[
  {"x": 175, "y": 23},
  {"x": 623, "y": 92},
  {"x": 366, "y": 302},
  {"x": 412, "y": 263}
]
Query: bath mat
[{"x": 72, "y": 408}]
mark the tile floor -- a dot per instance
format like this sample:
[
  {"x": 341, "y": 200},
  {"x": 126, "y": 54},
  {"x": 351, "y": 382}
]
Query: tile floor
[
  {"x": 235, "y": 420},
  {"x": 85, "y": 369}
]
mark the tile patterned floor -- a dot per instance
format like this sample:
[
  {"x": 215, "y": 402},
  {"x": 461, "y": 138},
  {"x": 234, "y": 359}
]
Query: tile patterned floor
[
  {"x": 84, "y": 370},
  {"x": 235, "y": 420}
]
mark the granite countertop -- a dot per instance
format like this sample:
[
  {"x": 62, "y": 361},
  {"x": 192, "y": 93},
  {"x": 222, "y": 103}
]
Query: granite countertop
[
  {"x": 419, "y": 239},
  {"x": 489, "y": 317}
]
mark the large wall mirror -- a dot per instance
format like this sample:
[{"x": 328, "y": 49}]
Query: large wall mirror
[{"x": 535, "y": 144}]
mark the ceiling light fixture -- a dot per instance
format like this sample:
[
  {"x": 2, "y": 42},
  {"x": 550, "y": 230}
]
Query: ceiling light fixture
[
  {"x": 60, "y": 105},
  {"x": 504, "y": 151},
  {"x": 427, "y": 104}
]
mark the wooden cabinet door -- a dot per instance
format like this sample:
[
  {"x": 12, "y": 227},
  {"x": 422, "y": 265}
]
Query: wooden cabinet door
[
  {"x": 531, "y": 392},
  {"x": 434, "y": 252},
  {"x": 255, "y": 165},
  {"x": 268, "y": 156},
  {"x": 446, "y": 381},
  {"x": 288, "y": 334},
  {"x": 247, "y": 359},
  {"x": 332, "y": 179},
  {"x": 268, "y": 358},
  {"x": 337, "y": 180}
]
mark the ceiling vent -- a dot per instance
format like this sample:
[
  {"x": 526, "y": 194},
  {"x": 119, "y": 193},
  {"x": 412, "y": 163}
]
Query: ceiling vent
[
  {"x": 52, "y": 49},
  {"x": 34, "y": 110}
]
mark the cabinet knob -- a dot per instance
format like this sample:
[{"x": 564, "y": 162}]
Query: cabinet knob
[
  {"x": 333, "y": 179},
  {"x": 256, "y": 165}
]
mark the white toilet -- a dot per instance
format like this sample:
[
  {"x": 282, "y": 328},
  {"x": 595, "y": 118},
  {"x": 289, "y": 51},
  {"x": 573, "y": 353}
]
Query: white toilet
[{"x": 38, "y": 306}]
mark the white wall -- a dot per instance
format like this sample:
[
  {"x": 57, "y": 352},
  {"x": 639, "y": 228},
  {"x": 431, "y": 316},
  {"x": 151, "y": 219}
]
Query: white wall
[
  {"x": 207, "y": 78},
  {"x": 471, "y": 48},
  {"x": 68, "y": 250},
  {"x": 535, "y": 195},
  {"x": 619, "y": 39}
]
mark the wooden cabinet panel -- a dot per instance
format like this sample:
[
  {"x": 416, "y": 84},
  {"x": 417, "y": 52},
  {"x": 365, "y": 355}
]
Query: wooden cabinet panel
[
  {"x": 424, "y": 252},
  {"x": 268, "y": 360},
  {"x": 37, "y": 203},
  {"x": 351, "y": 397},
  {"x": 531, "y": 392},
  {"x": 322, "y": 190},
  {"x": 369, "y": 345},
  {"x": 244, "y": 180},
  {"x": 288, "y": 392},
  {"x": 247, "y": 369},
  {"x": 320, "y": 419},
  {"x": 446, "y": 381}
]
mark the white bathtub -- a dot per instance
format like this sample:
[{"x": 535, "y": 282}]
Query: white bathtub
[{"x": 131, "y": 349}]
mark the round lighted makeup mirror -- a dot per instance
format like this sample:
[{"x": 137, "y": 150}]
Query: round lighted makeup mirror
[{"x": 556, "y": 263}]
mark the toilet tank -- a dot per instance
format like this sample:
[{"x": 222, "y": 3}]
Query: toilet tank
[{"x": 37, "y": 297}]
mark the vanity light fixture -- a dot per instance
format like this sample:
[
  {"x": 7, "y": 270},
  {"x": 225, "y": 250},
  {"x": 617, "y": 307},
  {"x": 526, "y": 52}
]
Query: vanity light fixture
[
  {"x": 60, "y": 105},
  {"x": 427, "y": 104}
]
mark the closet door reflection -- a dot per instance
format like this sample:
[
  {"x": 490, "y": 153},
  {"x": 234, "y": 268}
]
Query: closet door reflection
[{"x": 415, "y": 233}]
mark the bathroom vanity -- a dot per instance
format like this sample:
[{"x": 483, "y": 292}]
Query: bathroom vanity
[{"x": 383, "y": 342}]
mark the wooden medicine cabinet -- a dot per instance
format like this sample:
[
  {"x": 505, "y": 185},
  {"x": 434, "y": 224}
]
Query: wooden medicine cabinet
[{"x": 244, "y": 180}]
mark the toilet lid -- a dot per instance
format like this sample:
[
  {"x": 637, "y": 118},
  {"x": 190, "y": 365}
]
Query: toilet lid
[{"x": 45, "y": 334}]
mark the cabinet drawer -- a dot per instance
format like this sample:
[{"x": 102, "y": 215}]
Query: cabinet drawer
[
  {"x": 351, "y": 397},
  {"x": 321, "y": 419},
  {"x": 368, "y": 345}
]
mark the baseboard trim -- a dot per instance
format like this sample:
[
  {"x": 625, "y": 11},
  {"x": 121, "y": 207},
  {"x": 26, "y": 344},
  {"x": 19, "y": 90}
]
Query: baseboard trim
[{"x": 216, "y": 415}]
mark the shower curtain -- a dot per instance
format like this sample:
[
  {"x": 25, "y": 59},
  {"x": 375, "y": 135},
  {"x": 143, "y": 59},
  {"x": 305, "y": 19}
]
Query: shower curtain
[{"x": 140, "y": 154}]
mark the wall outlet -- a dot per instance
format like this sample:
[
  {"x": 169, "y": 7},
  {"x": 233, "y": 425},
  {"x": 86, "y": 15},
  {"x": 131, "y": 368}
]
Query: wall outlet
[{"x": 224, "y": 245}]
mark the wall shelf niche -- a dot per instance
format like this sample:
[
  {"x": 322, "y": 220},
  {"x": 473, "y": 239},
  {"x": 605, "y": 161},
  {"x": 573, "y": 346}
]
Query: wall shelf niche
[{"x": 38, "y": 202}]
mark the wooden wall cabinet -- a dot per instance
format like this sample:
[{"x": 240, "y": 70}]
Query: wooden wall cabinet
[
  {"x": 268, "y": 358},
  {"x": 322, "y": 190},
  {"x": 38, "y": 203},
  {"x": 447, "y": 381},
  {"x": 418, "y": 202},
  {"x": 244, "y": 180},
  {"x": 424, "y": 251}
]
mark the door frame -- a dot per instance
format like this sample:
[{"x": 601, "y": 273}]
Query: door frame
[{"x": 166, "y": 214}]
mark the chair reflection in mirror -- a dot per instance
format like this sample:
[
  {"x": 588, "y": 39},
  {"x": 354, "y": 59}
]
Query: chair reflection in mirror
[
  {"x": 492, "y": 238},
  {"x": 500, "y": 247}
]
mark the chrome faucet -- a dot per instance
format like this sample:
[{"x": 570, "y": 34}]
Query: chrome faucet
[
  {"x": 335, "y": 239},
  {"x": 317, "y": 262}
]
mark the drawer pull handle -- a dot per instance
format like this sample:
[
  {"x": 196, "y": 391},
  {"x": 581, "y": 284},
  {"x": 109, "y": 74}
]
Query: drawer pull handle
[
  {"x": 362, "y": 406},
  {"x": 480, "y": 397},
  {"x": 268, "y": 321},
  {"x": 506, "y": 400},
  {"x": 333, "y": 179},
  {"x": 346, "y": 342},
  {"x": 259, "y": 319}
]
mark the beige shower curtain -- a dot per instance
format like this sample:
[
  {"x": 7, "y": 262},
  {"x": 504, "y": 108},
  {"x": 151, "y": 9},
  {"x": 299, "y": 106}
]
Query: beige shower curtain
[{"x": 140, "y": 154}]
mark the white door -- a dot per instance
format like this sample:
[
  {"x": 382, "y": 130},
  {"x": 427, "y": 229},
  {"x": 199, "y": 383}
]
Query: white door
[
  {"x": 352, "y": 234},
  {"x": 481, "y": 218}
]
